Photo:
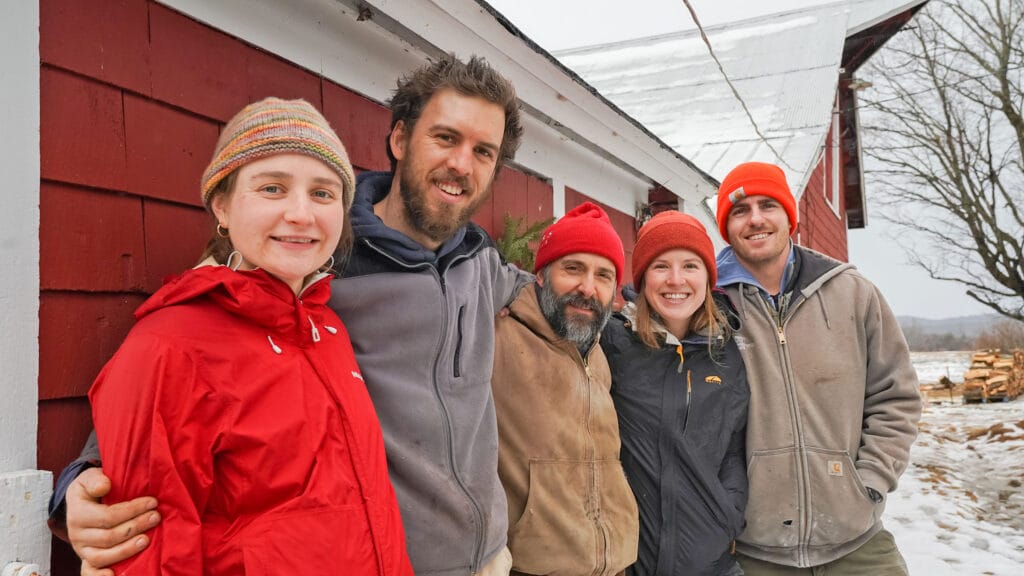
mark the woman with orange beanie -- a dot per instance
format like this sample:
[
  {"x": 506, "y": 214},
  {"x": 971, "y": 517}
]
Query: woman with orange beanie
[{"x": 680, "y": 390}]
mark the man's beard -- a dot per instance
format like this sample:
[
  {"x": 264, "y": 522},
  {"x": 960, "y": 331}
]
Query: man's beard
[
  {"x": 438, "y": 225},
  {"x": 576, "y": 328}
]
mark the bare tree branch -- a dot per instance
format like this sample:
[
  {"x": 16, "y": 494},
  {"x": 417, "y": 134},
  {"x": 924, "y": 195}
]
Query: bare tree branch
[{"x": 944, "y": 131}]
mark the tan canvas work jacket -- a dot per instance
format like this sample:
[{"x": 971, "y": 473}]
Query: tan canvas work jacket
[{"x": 571, "y": 511}]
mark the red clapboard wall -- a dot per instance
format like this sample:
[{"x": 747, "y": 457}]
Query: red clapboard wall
[
  {"x": 133, "y": 95},
  {"x": 821, "y": 228}
]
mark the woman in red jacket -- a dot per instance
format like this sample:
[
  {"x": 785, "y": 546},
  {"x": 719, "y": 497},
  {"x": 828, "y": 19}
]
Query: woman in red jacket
[{"x": 236, "y": 399}]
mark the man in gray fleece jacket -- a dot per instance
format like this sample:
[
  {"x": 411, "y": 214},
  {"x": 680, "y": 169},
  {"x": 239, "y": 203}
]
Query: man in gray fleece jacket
[
  {"x": 419, "y": 297},
  {"x": 834, "y": 397}
]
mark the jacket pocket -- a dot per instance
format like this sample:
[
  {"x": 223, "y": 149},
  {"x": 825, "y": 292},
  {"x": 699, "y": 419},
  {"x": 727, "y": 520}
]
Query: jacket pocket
[
  {"x": 311, "y": 541},
  {"x": 556, "y": 531},
  {"x": 773, "y": 514},
  {"x": 457, "y": 362},
  {"x": 840, "y": 506}
]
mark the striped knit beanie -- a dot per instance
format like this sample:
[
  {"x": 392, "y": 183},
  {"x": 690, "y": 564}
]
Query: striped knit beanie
[{"x": 274, "y": 126}]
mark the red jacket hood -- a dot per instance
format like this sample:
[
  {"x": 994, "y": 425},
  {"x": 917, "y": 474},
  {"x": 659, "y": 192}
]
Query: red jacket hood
[{"x": 254, "y": 295}]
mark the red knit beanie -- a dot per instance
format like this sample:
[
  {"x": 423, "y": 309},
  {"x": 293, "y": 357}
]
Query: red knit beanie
[
  {"x": 752, "y": 179},
  {"x": 669, "y": 230},
  {"x": 585, "y": 228}
]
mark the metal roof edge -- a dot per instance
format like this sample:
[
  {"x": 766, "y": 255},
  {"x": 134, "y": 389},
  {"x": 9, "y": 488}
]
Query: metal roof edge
[{"x": 512, "y": 29}]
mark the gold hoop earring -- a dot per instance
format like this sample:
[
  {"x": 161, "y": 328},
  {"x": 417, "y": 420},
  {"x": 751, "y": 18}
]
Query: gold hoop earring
[{"x": 222, "y": 231}]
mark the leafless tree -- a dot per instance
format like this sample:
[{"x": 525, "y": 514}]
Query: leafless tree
[{"x": 945, "y": 145}]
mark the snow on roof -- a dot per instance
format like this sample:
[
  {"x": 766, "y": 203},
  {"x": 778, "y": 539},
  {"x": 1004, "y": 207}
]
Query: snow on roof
[{"x": 784, "y": 66}]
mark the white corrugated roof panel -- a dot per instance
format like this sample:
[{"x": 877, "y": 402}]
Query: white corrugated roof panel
[{"x": 785, "y": 67}]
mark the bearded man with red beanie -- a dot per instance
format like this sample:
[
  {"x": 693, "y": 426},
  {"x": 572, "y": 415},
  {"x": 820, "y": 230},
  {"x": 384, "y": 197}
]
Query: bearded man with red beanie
[
  {"x": 570, "y": 508},
  {"x": 834, "y": 397}
]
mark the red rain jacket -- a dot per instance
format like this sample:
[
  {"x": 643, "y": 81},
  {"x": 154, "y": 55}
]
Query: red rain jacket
[{"x": 241, "y": 409}]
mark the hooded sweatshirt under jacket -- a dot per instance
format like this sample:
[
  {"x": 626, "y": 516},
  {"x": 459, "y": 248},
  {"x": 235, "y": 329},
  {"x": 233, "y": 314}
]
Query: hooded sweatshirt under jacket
[
  {"x": 834, "y": 408},
  {"x": 682, "y": 412},
  {"x": 422, "y": 325},
  {"x": 240, "y": 407}
]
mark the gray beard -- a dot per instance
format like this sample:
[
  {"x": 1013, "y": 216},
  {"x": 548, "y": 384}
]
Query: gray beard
[{"x": 581, "y": 331}]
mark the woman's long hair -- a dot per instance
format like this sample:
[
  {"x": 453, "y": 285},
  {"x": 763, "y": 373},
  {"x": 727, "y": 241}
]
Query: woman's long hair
[{"x": 708, "y": 318}]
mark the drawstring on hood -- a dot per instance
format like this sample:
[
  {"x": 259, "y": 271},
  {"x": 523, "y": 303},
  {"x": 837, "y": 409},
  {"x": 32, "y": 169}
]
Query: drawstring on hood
[{"x": 274, "y": 347}]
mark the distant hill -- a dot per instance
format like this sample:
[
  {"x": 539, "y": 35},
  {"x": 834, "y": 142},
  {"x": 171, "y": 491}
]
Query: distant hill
[
  {"x": 925, "y": 334},
  {"x": 963, "y": 326}
]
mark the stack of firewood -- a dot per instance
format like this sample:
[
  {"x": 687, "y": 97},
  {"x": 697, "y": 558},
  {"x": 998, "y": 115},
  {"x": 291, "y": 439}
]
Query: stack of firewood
[{"x": 994, "y": 376}]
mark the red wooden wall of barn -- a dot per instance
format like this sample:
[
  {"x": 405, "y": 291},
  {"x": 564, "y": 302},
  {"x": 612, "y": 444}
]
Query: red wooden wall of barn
[
  {"x": 133, "y": 95},
  {"x": 821, "y": 228}
]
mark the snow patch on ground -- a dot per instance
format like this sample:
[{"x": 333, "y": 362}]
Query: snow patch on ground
[{"x": 959, "y": 508}]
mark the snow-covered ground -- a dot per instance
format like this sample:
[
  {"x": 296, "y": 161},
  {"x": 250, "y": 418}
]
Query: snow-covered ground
[{"x": 959, "y": 508}]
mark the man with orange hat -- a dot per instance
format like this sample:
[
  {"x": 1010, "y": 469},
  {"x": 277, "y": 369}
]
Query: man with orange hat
[
  {"x": 571, "y": 510},
  {"x": 834, "y": 397}
]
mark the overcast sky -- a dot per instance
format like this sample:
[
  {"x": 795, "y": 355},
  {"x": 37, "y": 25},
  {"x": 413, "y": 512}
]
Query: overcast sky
[{"x": 561, "y": 24}]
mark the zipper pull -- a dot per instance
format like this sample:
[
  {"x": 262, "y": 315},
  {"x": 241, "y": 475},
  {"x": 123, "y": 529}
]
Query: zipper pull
[
  {"x": 316, "y": 333},
  {"x": 679, "y": 350},
  {"x": 781, "y": 335}
]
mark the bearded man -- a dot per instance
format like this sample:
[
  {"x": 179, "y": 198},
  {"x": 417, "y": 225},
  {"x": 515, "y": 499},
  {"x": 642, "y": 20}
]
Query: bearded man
[{"x": 571, "y": 510}]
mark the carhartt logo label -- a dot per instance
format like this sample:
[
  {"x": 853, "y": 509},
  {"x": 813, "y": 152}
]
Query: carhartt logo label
[
  {"x": 835, "y": 468},
  {"x": 713, "y": 380},
  {"x": 737, "y": 194}
]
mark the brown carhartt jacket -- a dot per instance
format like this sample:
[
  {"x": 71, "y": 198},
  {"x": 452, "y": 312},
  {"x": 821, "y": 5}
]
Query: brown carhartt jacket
[{"x": 571, "y": 511}]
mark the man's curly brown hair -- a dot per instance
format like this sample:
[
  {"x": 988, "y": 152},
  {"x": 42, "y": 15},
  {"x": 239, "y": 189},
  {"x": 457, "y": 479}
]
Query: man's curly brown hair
[{"x": 475, "y": 78}]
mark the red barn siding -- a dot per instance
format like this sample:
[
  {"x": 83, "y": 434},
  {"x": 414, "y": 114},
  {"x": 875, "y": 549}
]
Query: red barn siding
[
  {"x": 108, "y": 41},
  {"x": 168, "y": 150},
  {"x": 820, "y": 228},
  {"x": 81, "y": 131},
  {"x": 362, "y": 125},
  {"x": 517, "y": 194},
  {"x": 196, "y": 67},
  {"x": 82, "y": 331},
  {"x": 132, "y": 96},
  {"x": 90, "y": 241}
]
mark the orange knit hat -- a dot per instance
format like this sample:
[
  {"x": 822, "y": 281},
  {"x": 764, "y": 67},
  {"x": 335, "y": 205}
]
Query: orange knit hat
[
  {"x": 752, "y": 179},
  {"x": 669, "y": 230}
]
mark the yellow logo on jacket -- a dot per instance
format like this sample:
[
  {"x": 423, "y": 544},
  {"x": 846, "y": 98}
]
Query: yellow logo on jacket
[{"x": 713, "y": 380}]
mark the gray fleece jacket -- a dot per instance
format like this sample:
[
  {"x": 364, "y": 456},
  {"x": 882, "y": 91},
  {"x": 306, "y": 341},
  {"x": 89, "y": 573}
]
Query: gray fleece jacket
[
  {"x": 422, "y": 326},
  {"x": 833, "y": 410}
]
